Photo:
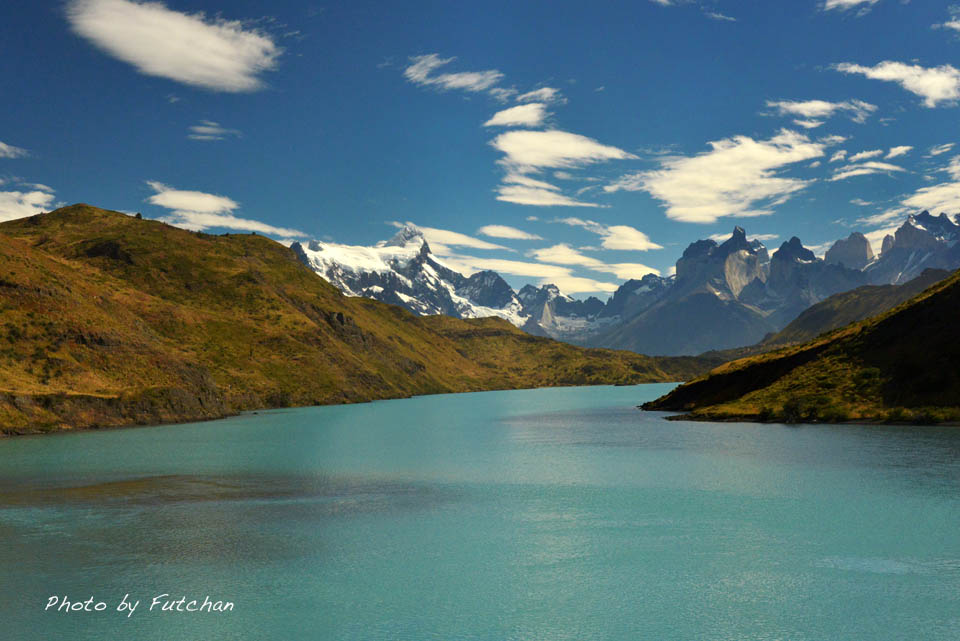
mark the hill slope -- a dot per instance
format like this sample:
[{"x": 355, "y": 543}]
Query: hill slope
[
  {"x": 107, "y": 320},
  {"x": 899, "y": 366},
  {"x": 835, "y": 312}
]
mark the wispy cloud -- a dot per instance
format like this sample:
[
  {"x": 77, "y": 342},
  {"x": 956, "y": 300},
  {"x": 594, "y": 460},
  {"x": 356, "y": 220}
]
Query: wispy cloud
[
  {"x": 197, "y": 210},
  {"x": 9, "y": 151},
  {"x": 844, "y": 5},
  {"x": 543, "y": 94},
  {"x": 563, "y": 254},
  {"x": 504, "y": 231},
  {"x": 531, "y": 150},
  {"x": 838, "y": 155},
  {"x": 863, "y": 155},
  {"x": 716, "y": 15},
  {"x": 937, "y": 150},
  {"x": 900, "y": 150},
  {"x": 35, "y": 199},
  {"x": 421, "y": 72},
  {"x": 209, "y": 130},
  {"x": 528, "y": 115},
  {"x": 942, "y": 197},
  {"x": 528, "y": 152},
  {"x": 864, "y": 169},
  {"x": 813, "y": 112},
  {"x": 936, "y": 85},
  {"x": 737, "y": 177},
  {"x": 216, "y": 54},
  {"x": 619, "y": 237},
  {"x": 441, "y": 239}
]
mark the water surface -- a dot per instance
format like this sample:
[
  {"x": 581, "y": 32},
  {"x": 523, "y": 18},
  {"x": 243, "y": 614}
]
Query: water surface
[{"x": 540, "y": 514}]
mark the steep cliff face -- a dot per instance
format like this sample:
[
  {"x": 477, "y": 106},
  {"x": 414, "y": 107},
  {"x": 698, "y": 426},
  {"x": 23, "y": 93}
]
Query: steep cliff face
[
  {"x": 798, "y": 279},
  {"x": 922, "y": 242},
  {"x": 853, "y": 252},
  {"x": 724, "y": 269}
]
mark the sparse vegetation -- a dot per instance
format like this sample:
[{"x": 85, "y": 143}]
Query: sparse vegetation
[
  {"x": 107, "y": 319},
  {"x": 898, "y": 367}
]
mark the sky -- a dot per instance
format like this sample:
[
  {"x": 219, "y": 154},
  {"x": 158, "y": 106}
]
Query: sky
[{"x": 574, "y": 143}]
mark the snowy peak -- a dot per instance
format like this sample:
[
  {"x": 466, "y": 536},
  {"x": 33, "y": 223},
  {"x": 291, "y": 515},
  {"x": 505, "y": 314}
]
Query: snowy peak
[
  {"x": 409, "y": 235},
  {"x": 403, "y": 271}
]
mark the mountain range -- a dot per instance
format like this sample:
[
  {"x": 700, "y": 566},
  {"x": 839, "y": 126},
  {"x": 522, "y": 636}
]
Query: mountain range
[
  {"x": 899, "y": 366},
  {"x": 108, "y": 319},
  {"x": 722, "y": 296}
]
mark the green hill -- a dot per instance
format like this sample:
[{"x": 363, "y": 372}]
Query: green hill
[
  {"x": 900, "y": 366},
  {"x": 835, "y": 312},
  {"x": 107, "y": 319}
]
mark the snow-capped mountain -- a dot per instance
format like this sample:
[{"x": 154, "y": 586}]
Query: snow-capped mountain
[
  {"x": 923, "y": 241},
  {"x": 403, "y": 271},
  {"x": 724, "y": 295}
]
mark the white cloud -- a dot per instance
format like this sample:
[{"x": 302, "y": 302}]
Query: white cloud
[
  {"x": 898, "y": 151},
  {"x": 943, "y": 197},
  {"x": 884, "y": 217},
  {"x": 9, "y": 151},
  {"x": 953, "y": 23},
  {"x": 737, "y": 177},
  {"x": 580, "y": 285},
  {"x": 553, "y": 148},
  {"x": 504, "y": 231},
  {"x": 447, "y": 238},
  {"x": 861, "y": 202},
  {"x": 563, "y": 254},
  {"x": 808, "y": 124},
  {"x": 715, "y": 15},
  {"x": 838, "y": 156},
  {"x": 528, "y": 151},
  {"x": 530, "y": 115},
  {"x": 20, "y": 204},
  {"x": 216, "y": 54},
  {"x": 421, "y": 70},
  {"x": 936, "y": 150},
  {"x": 815, "y": 111},
  {"x": 935, "y": 85},
  {"x": 197, "y": 210},
  {"x": 544, "y": 94},
  {"x": 617, "y": 237},
  {"x": 864, "y": 155},
  {"x": 844, "y": 5},
  {"x": 864, "y": 169},
  {"x": 538, "y": 197},
  {"x": 210, "y": 130}
]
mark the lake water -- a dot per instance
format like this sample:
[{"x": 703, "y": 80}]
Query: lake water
[{"x": 530, "y": 515}]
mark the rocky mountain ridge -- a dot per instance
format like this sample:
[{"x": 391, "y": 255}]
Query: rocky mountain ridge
[{"x": 723, "y": 295}]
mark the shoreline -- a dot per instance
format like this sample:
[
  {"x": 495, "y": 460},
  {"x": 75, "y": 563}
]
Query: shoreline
[{"x": 11, "y": 432}]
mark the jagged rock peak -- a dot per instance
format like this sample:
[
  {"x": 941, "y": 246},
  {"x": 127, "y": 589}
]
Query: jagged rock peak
[
  {"x": 854, "y": 252},
  {"x": 793, "y": 249},
  {"x": 887, "y": 245},
  {"x": 736, "y": 242},
  {"x": 407, "y": 235}
]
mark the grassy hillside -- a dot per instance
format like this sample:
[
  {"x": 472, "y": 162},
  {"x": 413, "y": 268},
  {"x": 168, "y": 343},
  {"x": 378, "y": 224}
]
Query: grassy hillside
[
  {"x": 837, "y": 311},
  {"x": 106, "y": 319},
  {"x": 900, "y": 366}
]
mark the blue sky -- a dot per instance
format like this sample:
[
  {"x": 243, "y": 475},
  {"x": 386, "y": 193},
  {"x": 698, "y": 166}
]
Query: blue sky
[{"x": 552, "y": 141}]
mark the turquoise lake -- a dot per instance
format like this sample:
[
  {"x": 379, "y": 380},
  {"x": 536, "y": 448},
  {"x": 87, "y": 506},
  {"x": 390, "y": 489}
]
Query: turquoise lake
[{"x": 528, "y": 515}]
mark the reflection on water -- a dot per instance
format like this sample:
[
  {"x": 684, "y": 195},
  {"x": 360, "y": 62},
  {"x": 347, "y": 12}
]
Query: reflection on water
[{"x": 547, "y": 514}]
